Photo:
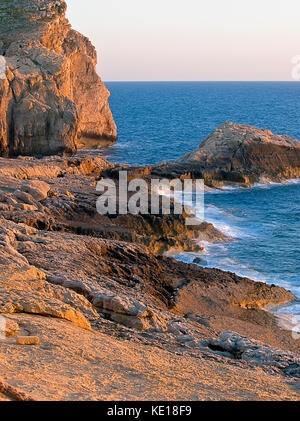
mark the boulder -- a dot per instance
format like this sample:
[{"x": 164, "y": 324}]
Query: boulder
[
  {"x": 28, "y": 340},
  {"x": 241, "y": 347},
  {"x": 36, "y": 188},
  {"x": 129, "y": 312}
]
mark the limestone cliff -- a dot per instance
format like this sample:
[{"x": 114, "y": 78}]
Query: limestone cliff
[{"x": 51, "y": 98}]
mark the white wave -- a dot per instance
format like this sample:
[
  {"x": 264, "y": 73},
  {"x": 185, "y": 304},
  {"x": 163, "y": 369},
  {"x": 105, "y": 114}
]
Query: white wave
[
  {"x": 212, "y": 258},
  {"x": 265, "y": 185},
  {"x": 230, "y": 188},
  {"x": 231, "y": 265},
  {"x": 293, "y": 181},
  {"x": 287, "y": 309},
  {"x": 285, "y": 321},
  {"x": 214, "y": 210},
  {"x": 226, "y": 189},
  {"x": 223, "y": 221}
]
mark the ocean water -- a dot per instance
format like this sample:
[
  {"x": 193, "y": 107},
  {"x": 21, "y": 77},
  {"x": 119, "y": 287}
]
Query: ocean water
[{"x": 162, "y": 121}]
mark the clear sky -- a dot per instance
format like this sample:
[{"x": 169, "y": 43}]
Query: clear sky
[{"x": 191, "y": 39}]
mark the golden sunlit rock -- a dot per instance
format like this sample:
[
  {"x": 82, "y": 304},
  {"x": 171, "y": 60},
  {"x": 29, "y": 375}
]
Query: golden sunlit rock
[{"x": 51, "y": 98}]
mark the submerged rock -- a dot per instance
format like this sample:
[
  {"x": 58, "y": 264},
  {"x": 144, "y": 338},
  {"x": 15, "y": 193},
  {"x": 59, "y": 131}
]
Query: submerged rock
[{"x": 51, "y": 98}]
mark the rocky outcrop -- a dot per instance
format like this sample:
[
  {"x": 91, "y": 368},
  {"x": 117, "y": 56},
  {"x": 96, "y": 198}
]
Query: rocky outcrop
[
  {"x": 10, "y": 393},
  {"x": 81, "y": 306},
  {"x": 241, "y": 347},
  {"x": 51, "y": 98},
  {"x": 243, "y": 154},
  {"x": 71, "y": 202},
  {"x": 25, "y": 168},
  {"x": 232, "y": 154},
  {"x": 24, "y": 287}
]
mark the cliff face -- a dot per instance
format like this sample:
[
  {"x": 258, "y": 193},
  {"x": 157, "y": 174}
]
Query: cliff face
[
  {"x": 245, "y": 154},
  {"x": 51, "y": 98}
]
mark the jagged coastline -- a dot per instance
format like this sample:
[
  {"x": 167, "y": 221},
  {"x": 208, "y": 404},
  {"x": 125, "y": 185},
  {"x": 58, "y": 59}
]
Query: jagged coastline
[
  {"x": 71, "y": 278},
  {"x": 90, "y": 306}
]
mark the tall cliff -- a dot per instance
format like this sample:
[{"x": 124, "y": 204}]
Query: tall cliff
[{"x": 51, "y": 98}]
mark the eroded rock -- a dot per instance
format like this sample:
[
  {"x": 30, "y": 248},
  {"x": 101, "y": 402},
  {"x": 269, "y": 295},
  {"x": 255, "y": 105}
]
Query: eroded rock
[
  {"x": 243, "y": 348},
  {"x": 51, "y": 98},
  {"x": 37, "y": 189},
  {"x": 237, "y": 153},
  {"x": 23, "y": 287},
  {"x": 28, "y": 340}
]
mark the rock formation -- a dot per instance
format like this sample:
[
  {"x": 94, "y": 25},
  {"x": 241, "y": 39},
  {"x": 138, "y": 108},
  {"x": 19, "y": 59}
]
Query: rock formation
[
  {"x": 92, "y": 313},
  {"x": 244, "y": 154},
  {"x": 51, "y": 98},
  {"x": 232, "y": 154},
  {"x": 243, "y": 348}
]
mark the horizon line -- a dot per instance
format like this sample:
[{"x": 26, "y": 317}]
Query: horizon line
[{"x": 202, "y": 81}]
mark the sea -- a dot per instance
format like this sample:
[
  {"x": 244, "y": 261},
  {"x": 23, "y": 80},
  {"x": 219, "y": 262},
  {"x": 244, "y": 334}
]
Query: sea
[{"x": 160, "y": 121}]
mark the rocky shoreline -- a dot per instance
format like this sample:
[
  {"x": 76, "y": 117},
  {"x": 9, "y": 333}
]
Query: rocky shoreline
[
  {"x": 91, "y": 308},
  {"x": 67, "y": 269}
]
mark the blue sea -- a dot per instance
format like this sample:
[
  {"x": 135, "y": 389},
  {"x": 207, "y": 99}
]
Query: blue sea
[{"x": 162, "y": 121}]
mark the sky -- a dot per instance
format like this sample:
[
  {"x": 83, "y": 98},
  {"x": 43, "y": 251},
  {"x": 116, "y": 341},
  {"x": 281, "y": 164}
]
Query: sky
[{"x": 191, "y": 40}]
